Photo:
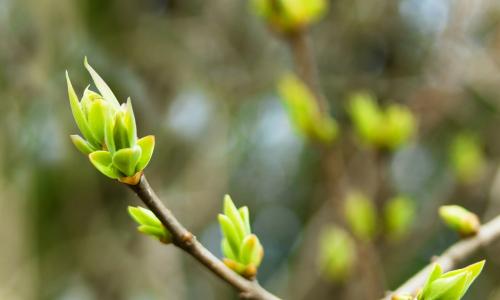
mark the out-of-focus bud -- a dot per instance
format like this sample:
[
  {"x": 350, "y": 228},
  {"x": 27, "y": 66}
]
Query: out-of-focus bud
[
  {"x": 242, "y": 250},
  {"x": 399, "y": 214},
  {"x": 466, "y": 157},
  {"x": 149, "y": 224},
  {"x": 451, "y": 285},
  {"x": 460, "y": 219},
  {"x": 361, "y": 215},
  {"x": 304, "y": 112},
  {"x": 109, "y": 132},
  {"x": 287, "y": 16},
  {"x": 387, "y": 129},
  {"x": 337, "y": 254},
  {"x": 402, "y": 297},
  {"x": 399, "y": 125}
]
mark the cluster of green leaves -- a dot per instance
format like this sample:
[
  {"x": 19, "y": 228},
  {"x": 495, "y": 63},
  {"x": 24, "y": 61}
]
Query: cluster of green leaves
[
  {"x": 362, "y": 216},
  {"x": 290, "y": 15},
  {"x": 451, "y": 285},
  {"x": 386, "y": 129},
  {"x": 466, "y": 157},
  {"x": 149, "y": 224},
  {"x": 242, "y": 250},
  {"x": 304, "y": 112},
  {"x": 109, "y": 132},
  {"x": 337, "y": 253},
  {"x": 460, "y": 219}
]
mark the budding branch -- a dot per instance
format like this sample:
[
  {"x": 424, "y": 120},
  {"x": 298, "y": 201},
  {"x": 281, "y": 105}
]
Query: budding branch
[
  {"x": 185, "y": 240},
  {"x": 453, "y": 256}
]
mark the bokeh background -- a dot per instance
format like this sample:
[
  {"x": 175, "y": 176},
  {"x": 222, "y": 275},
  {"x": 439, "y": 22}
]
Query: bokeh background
[{"x": 202, "y": 76}]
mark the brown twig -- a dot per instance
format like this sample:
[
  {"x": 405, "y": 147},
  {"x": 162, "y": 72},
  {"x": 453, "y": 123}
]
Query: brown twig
[
  {"x": 452, "y": 256},
  {"x": 185, "y": 240}
]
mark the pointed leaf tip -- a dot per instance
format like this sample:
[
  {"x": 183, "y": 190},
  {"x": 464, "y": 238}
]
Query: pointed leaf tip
[
  {"x": 81, "y": 144},
  {"x": 101, "y": 85},
  {"x": 147, "y": 145}
]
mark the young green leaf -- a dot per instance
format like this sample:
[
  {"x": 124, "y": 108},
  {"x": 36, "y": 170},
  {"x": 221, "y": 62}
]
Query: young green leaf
[
  {"x": 247, "y": 249},
  {"x": 129, "y": 120},
  {"x": 81, "y": 144},
  {"x": 102, "y": 161},
  {"x": 98, "y": 111},
  {"x": 147, "y": 145},
  {"x": 233, "y": 214},
  {"x": 230, "y": 233},
  {"x": 144, "y": 216},
  {"x": 101, "y": 85},
  {"x": 149, "y": 224},
  {"x": 120, "y": 134},
  {"x": 108, "y": 131},
  {"x": 227, "y": 251},
  {"x": 245, "y": 216},
  {"x": 126, "y": 160},
  {"x": 78, "y": 114}
]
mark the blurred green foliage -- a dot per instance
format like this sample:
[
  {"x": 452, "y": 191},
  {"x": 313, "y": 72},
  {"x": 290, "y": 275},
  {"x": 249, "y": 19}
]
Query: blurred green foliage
[{"x": 337, "y": 254}]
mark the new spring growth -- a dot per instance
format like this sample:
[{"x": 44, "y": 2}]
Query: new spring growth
[
  {"x": 451, "y": 285},
  {"x": 466, "y": 157},
  {"x": 304, "y": 113},
  {"x": 460, "y": 219},
  {"x": 361, "y": 215},
  {"x": 337, "y": 254},
  {"x": 386, "y": 129},
  {"x": 287, "y": 16},
  {"x": 109, "y": 132},
  {"x": 399, "y": 214},
  {"x": 242, "y": 250},
  {"x": 149, "y": 224}
]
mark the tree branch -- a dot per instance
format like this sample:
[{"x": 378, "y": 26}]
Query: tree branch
[
  {"x": 185, "y": 240},
  {"x": 454, "y": 255}
]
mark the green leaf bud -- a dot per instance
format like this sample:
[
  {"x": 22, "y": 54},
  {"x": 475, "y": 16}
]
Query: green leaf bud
[
  {"x": 467, "y": 157},
  {"x": 109, "y": 129},
  {"x": 305, "y": 115},
  {"x": 460, "y": 219},
  {"x": 361, "y": 215},
  {"x": 451, "y": 285},
  {"x": 242, "y": 250},
  {"x": 399, "y": 214},
  {"x": 399, "y": 125},
  {"x": 387, "y": 129},
  {"x": 149, "y": 224},
  {"x": 337, "y": 254},
  {"x": 288, "y": 16}
]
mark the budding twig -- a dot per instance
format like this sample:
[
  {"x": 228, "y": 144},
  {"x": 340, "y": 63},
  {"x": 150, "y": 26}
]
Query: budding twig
[
  {"x": 185, "y": 240},
  {"x": 454, "y": 255}
]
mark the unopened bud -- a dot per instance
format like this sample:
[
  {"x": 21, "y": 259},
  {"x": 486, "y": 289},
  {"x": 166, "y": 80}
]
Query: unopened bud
[{"x": 460, "y": 219}]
